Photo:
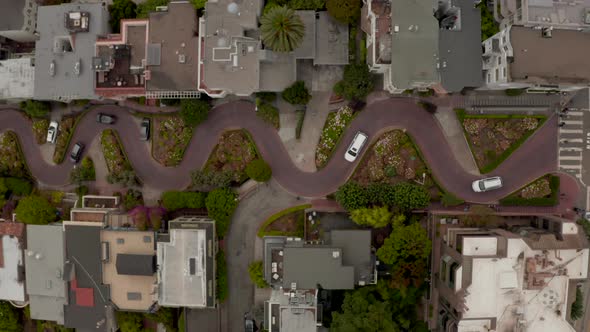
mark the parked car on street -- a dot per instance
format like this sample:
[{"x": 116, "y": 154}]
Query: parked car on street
[
  {"x": 355, "y": 147},
  {"x": 144, "y": 129},
  {"x": 487, "y": 184},
  {"x": 105, "y": 118},
  {"x": 52, "y": 132},
  {"x": 76, "y": 152}
]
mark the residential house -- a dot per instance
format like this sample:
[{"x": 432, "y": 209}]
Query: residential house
[
  {"x": 129, "y": 268},
  {"x": 232, "y": 57},
  {"x": 186, "y": 263},
  {"x": 296, "y": 270},
  {"x": 18, "y": 19},
  {"x": 523, "y": 278},
  {"x": 17, "y": 78},
  {"x": 89, "y": 307},
  {"x": 46, "y": 282},
  {"x": 65, "y": 48},
  {"x": 12, "y": 264},
  {"x": 566, "y": 14},
  {"x": 423, "y": 44}
]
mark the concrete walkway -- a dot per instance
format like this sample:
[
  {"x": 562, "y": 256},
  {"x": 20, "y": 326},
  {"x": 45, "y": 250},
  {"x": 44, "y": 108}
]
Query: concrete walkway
[{"x": 454, "y": 134}]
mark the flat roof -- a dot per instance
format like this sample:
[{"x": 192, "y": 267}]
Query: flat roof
[
  {"x": 45, "y": 283},
  {"x": 563, "y": 58},
  {"x": 356, "y": 250},
  {"x": 175, "y": 31},
  {"x": 561, "y": 13},
  {"x": 17, "y": 78},
  {"x": 88, "y": 306},
  {"x": 479, "y": 246},
  {"x": 11, "y": 14},
  {"x": 460, "y": 49},
  {"x": 12, "y": 286},
  {"x": 129, "y": 292},
  {"x": 331, "y": 41},
  {"x": 186, "y": 264},
  {"x": 308, "y": 267},
  {"x": 56, "y": 77},
  {"x": 294, "y": 311},
  {"x": 414, "y": 49},
  {"x": 306, "y": 49}
]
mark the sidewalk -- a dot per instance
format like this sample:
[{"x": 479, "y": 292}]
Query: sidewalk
[{"x": 454, "y": 134}]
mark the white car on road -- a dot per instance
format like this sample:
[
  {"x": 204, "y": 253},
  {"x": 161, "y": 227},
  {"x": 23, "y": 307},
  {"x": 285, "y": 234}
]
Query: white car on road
[
  {"x": 52, "y": 132},
  {"x": 355, "y": 147},
  {"x": 487, "y": 184}
]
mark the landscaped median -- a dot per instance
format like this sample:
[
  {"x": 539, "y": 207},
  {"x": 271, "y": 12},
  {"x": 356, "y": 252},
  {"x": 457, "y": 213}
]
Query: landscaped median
[
  {"x": 120, "y": 169},
  {"x": 288, "y": 222},
  {"x": 67, "y": 126},
  {"x": 12, "y": 159},
  {"x": 334, "y": 127},
  {"x": 170, "y": 139},
  {"x": 541, "y": 192},
  {"x": 493, "y": 138}
]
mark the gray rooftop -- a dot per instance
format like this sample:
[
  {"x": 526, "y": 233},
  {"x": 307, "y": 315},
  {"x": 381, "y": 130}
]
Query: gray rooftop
[
  {"x": 307, "y": 267},
  {"x": 136, "y": 264},
  {"x": 66, "y": 82},
  {"x": 356, "y": 251},
  {"x": 460, "y": 49},
  {"x": 415, "y": 46},
  {"x": 83, "y": 252},
  {"x": 11, "y": 14},
  {"x": 560, "y": 59},
  {"x": 277, "y": 70},
  {"x": 45, "y": 283},
  {"x": 173, "y": 34},
  {"x": 560, "y": 14},
  {"x": 186, "y": 273},
  {"x": 331, "y": 41},
  {"x": 307, "y": 48}
]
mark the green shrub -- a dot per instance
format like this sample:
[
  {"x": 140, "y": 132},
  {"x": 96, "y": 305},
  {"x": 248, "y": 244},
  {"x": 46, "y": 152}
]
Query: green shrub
[
  {"x": 269, "y": 114},
  {"x": 300, "y": 118},
  {"x": 296, "y": 94},
  {"x": 256, "y": 271},
  {"x": 357, "y": 82},
  {"x": 514, "y": 92},
  {"x": 35, "y": 210},
  {"x": 577, "y": 310},
  {"x": 552, "y": 200},
  {"x": 129, "y": 321},
  {"x": 174, "y": 200},
  {"x": 267, "y": 97},
  {"x": 428, "y": 106},
  {"x": 258, "y": 170},
  {"x": 363, "y": 47},
  {"x": 448, "y": 199},
  {"x": 221, "y": 204},
  {"x": 132, "y": 199},
  {"x": 194, "y": 111},
  {"x": 19, "y": 187},
  {"x": 35, "y": 109},
  {"x": 85, "y": 172},
  {"x": 10, "y": 321},
  {"x": 352, "y": 196},
  {"x": 221, "y": 276}
]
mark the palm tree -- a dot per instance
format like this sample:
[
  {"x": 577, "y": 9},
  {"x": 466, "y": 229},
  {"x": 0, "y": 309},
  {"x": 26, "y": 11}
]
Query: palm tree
[{"x": 282, "y": 30}]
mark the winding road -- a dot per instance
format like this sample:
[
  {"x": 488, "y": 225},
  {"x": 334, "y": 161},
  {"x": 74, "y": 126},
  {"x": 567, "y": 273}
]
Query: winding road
[{"x": 536, "y": 157}]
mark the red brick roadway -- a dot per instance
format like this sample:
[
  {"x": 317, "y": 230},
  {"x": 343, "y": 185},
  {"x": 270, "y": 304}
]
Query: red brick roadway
[{"x": 536, "y": 157}]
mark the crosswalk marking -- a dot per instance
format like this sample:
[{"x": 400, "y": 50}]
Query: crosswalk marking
[
  {"x": 571, "y": 149},
  {"x": 575, "y": 113},
  {"x": 573, "y": 122},
  {"x": 571, "y": 157},
  {"x": 579, "y": 166},
  {"x": 572, "y": 131}
]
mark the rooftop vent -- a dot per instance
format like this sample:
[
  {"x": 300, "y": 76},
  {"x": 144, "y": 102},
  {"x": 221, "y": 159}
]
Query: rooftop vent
[
  {"x": 181, "y": 58},
  {"x": 546, "y": 32},
  {"x": 78, "y": 21},
  {"x": 335, "y": 254}
]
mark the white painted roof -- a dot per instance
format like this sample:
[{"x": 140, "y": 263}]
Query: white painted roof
[
  {"x": 480, "y": 246},
  {"x": 17, "y": 79},
  {"x": 10, "y": 287}
]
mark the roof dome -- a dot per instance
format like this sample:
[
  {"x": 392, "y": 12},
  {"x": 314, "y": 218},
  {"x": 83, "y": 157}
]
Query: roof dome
[{"x": 232, "y": 8}]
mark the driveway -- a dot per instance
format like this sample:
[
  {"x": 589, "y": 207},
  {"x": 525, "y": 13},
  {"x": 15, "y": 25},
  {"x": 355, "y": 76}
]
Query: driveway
[{"x": 533, "y": 159}]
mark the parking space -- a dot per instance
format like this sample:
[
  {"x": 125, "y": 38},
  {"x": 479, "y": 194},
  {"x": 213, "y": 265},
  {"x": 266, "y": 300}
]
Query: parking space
[{"x": 202, "y": 320}]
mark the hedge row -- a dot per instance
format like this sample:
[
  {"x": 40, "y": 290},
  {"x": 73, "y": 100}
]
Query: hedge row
[
  {"x": 174, "y": 200},
  {"x": 271, "y": 219}
]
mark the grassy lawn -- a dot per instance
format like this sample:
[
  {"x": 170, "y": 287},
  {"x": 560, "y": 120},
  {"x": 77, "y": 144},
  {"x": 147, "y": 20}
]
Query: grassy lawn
[
  {"x": 234, "y": 150},
  {"x": 334, "y": 127},
  {"x": 541, "y": 192},
  {"x": 493, "y": 138},
  {"x": 40, "y": 130},
  {"x": 289, "y": 222},
  {"x": 170, "y": 139},
  {"x": 12, "y": 159},
  {"x": 394, "y": 158}
]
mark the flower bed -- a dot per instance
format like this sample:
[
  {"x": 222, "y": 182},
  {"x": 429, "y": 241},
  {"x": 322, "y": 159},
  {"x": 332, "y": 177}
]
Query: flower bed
[
  {"x": 170, "y": 139},
  {"x": 493, "y": 138},
  {"x": 40, "y": 130},
  {"x": 119, "y": 167},
  {"x": 392, "y": 159},
  {"x": 12, "y": 160},
  {"x": 233, "y": 152},
  {"x": 335, "y": 125},
  {"x": 541, "y": 192}
]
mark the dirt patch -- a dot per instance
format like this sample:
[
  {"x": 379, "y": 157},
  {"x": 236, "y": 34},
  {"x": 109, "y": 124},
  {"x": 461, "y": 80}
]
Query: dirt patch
[
  {"x": 393, "y": 158},
  {"x": 233, "y": 152},
  {"x": 289, "y": 225},
  {"x": 170, "y": 140}
]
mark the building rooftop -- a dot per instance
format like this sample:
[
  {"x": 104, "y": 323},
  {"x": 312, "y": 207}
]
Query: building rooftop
[
  {"x": 307, "y": 49},
  {"x": 294, "y": 311},
  {"x": 555, "y": 66},
  {"x": 12, "y": 274},
  {"x": 88, "y": 307},
  {"x": 44, "y": 264},
  {"x": 356, "y": 252},
  {"x": 308, "y": 267},
  {"x": 12, "y": 17},
  {"x": 17, "y": 78},
  {"x": 129, "y": 268},
  {"x": 173, "y": 48},
  {"x": 63, "y": 58},
  {"x": 186, "y": 275},
  {"x": 415, "y": 46},
  {"x": 460, "y": 62},
  {"x": 331, "y": 41},
  {"x": 568, "y": 14}
]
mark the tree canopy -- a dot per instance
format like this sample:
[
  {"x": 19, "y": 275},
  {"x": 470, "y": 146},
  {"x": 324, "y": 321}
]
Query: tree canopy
[
  {"x": 282, "y": 30},
  {"x": 121, "y": 9},
  {"x": 357, "y": 82},
  {"x": 256, "y": 271},
  {"x": 144, "y": 8},
  {"x": 375, "y": 217},
  {"x": 130, "y": 321},
  {"x": 35, "y": 210},
  {"x": 352, "y": 196},
  {"x": 35, "y": 109},
  {"x": 297, "y": 94},
  {"x": 258, "y": 170},
  {"x": 345, "y": 11},
  {"x": 221, "y": 204},
  {"x": 403, "y": 196},
  {"x": 9, "y": 319},
  {"x": 194, "y": 111},
  {"x": 407, "y": 250}
]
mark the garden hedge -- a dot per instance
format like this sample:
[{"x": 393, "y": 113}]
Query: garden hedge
[{"x": 553, "y": 199}]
